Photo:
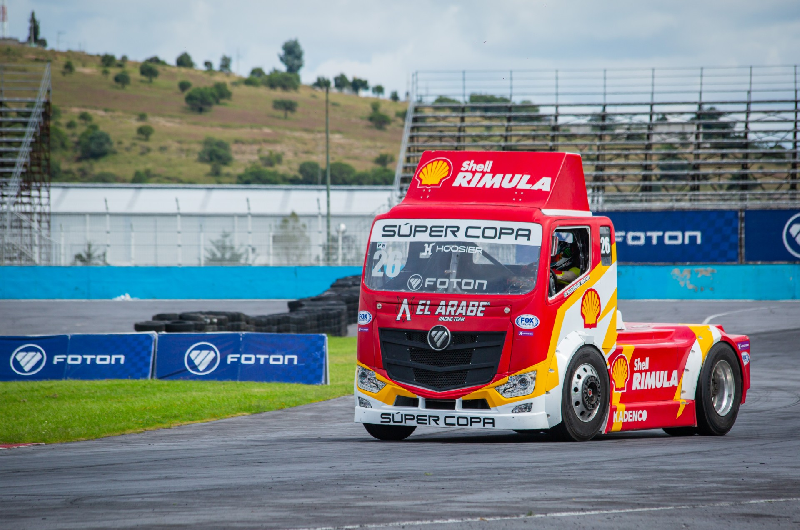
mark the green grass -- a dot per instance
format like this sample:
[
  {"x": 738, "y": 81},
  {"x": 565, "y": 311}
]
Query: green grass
[{"x": 65, "y": 411}]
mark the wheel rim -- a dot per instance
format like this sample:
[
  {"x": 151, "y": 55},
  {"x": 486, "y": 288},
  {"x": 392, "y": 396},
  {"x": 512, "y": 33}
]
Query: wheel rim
[
  {"x": 586, "y": 393},
  {"x": 723, "y": 387}
]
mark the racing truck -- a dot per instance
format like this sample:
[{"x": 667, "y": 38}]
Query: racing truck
[{"x": 489, "y": 301}]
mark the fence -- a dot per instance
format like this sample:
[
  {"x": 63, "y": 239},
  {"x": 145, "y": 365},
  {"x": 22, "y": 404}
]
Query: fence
[{"x": 660, "y": 138}]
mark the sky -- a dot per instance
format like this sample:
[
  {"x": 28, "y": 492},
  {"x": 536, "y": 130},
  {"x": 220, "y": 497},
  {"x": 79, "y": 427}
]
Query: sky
[{"x": 385, "y": 41}]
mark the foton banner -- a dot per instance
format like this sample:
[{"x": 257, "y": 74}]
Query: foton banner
[
  {"x": 710, "y": 236},
  {"x": 113, "y": 356},
  {"x": 265, "y": 357},
  {"x": 772, "y": 235}
]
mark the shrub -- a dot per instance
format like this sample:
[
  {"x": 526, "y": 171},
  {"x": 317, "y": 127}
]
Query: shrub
[
  {"x": 215, "y": 150},
  {"x": 155, "y": 60},
  {"x": 58, "y": 139},
  {"x": 105, "y": 72},
  {"x": 310, "y": 173},
  {"x": 282, "y": 80},
  {"x": 122, "y": 61},
  {"x": 222, "y": 90},
  {"x": 123, "y": 79},
  {"x": 94, "y": 143},
  {"x": 272, "y": 159},
  {"x": 384, "y": 159},
  {"x": 68, "y": 68},
  {"x": 183, "y": 86},
  {"x": 145, "y": 131},
  {"x": 394, "y": 97},
  {"x": 252, "y": 81},
  {"x": 142, "y": 116},
  {"x": 200, "y": 99},
  {"x": 108, "y": 60},
  {"x": 72, "y": 124},
  {"x": 377, "y": 118},
  {"x": 260, "y": 175},
  {"x": 285, "y": 105},
  {"x": 85, "y": 117}
]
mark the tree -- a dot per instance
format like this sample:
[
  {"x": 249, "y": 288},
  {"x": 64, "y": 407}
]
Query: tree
[
  {"x": 33, "y": 33},
  {"x": 377, "y": 118},
  {"x": 258, "y": 72},
  {"x": 225, "y": 64},
  {"x": 272, "y": 159},
  {"x": 72, "y": 124},
  {"x": 90, "y": 256},
  {"x": 358, "y": 85},
  {"x": 184, "y": 60},
  {"x": 59, "y": 141},
  {"x": 148, "y": 70},
  {"x": 215, "y": 150},
  {"x": 224, "y": 252},
  {"x": 122, "y": 79},
  {"x": 108, "y": 60},
  {"x": 377, "y": 90},
  {"x": 155, "y": 60},
  {"x": 341, "y": 82},
  {"x": 292, "y": 56},
  {"x": 145, "y": 131},
  {"x": 310, "y": 173},
  {"x": 394, "y": 97},
  {"x": 142, "y": 116},
  {"x": 321, "y": 82},
  {"x": 85, "y": 117},
  {"x": 183, "y": 86},
  {"x": 209, "y": 66},
  {"x": 285, "y": 105},
  {"x": 255, "y": 174},
  {"x": 384, "y": 159},
  {"x": 69, "y": 68},
  {"x": 94, "y": 143},
  {"x": 105, "y": 72},
  {"x": 123, "y": 61},
  {"x": 222, "y": 91},
  {"x": 200, "y": 99},
  {"x": 291, "y": 242}
]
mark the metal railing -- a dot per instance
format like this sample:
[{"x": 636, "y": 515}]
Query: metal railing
[{"x": 667, "y": 138}]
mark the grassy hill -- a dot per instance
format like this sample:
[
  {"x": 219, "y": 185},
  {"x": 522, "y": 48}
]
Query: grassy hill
[{"x": 247, "y": 122}]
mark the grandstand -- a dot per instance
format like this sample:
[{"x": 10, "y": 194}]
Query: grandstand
[{"x": 654, "y": 138}]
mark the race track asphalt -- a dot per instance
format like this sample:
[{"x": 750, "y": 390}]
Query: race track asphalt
[{"x": 311, "y": 467}]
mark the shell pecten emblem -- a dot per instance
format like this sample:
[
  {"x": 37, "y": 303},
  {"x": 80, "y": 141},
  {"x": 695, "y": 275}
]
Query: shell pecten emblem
[
  {"x": 619, "y": 374},
  {"x": 590, "y": 308},
  {"x": 434, "y": 172}
]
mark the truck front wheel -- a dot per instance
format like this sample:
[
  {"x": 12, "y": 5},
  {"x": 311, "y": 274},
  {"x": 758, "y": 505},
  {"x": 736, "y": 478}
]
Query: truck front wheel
[
  {"x": 585, "y": 397},
  {"x": 389, "y": 432}
]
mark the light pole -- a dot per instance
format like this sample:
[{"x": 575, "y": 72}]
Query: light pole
[
  {"x": 327, "y": 174},
  {"x": 341, "y": 230}
]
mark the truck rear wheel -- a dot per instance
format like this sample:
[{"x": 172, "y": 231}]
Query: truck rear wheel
[
  {"x": 719, "y": 391},
  {"x": 389, "y": 432},
  {"x": 584, "y": 398}
]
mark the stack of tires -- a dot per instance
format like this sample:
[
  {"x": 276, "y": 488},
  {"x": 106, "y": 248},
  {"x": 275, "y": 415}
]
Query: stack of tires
[{"x": 329, "y": 312}]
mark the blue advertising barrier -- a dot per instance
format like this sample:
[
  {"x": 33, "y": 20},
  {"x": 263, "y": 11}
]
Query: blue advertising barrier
[
  {"x": 772, "y": 235},
  {"x": 264, "y": 357},
  {"x": 113, "y": 356},
  {"x": 676, "y": 236},
  {"x": 167, "y": 283}
]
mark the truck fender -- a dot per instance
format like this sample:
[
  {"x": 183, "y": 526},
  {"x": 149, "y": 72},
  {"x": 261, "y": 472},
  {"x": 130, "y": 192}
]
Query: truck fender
[
  {"x": 565, "y": 350},
  {"x": 694, "y": 363}
]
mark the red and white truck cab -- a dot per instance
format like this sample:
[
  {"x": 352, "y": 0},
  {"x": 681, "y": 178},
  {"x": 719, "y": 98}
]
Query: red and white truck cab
[{"x": 489, "y": 300}]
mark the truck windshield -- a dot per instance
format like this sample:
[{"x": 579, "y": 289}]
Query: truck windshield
[{"x": 453, "y": 256}]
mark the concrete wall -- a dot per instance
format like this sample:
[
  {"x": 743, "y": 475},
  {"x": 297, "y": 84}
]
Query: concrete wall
[{"x": 679, "y": 282}]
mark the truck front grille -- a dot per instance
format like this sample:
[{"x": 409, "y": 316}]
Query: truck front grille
[{"x": 471, "y": 358}]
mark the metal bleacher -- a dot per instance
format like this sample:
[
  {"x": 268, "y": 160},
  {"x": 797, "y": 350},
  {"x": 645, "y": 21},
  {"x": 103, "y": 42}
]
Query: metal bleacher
[{"x": 649, "y": 138}]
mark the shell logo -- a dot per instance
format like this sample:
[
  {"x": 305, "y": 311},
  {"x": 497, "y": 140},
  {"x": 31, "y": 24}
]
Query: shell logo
[
  {"x": 590, "y": 308},
  {"x": 619, "y": 373},
  {"x": 434, "y": 172}
]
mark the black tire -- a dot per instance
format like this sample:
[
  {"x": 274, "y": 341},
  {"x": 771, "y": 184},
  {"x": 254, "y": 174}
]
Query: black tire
[
  {"x": 595, "y": 392},
  {"x": 149, "y": 326},
  {"x": 167, "y": 317},
  {"x": 393, "y": 433},
  {"x": 179, "y": 326},
  {"x": 192, "y": 317},
  {"x": 710, "y": 421},
  {"x": 681, "y": 431}
]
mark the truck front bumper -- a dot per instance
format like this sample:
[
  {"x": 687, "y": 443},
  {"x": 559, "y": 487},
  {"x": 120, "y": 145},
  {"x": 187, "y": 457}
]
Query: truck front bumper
[{"x": 500, "y": 417}]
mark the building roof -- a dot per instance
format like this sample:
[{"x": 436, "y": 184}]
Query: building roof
[{"x": 152, "y": 199}]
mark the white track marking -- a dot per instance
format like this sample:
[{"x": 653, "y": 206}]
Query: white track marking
[
  {"x": 552, "y": 514},
  {"x": 712, "y": 317}
]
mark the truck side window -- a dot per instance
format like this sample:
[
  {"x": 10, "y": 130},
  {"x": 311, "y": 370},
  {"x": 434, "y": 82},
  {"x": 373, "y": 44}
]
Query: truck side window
[{"x": 570, "y": 257}]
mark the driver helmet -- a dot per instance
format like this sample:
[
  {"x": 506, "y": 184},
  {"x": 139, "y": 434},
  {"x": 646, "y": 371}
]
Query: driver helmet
[{"x": 564, "y": 256}]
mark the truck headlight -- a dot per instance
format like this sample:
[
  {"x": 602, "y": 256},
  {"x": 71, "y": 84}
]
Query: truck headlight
[
  {"x": 518, "y": 385},
  {"x": 367, "y": 380}
]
